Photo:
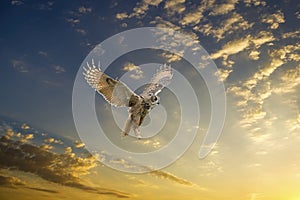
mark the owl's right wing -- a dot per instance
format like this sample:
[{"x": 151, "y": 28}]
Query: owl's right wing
[
  {"x": 114, "y": 91},
  {"x": 161, "y": 79}
]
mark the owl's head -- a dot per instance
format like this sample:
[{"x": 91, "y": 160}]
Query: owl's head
[{"x": 154, "y": 100}]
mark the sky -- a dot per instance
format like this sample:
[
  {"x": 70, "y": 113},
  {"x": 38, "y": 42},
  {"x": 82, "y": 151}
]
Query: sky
[{"x": 255, "y": 46}]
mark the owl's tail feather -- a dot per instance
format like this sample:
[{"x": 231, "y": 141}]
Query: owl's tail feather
[{"x": 127, "y": 127}]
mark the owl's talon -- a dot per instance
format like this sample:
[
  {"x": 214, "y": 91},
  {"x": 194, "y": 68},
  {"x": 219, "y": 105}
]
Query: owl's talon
[{"x": 124, "y": 134}]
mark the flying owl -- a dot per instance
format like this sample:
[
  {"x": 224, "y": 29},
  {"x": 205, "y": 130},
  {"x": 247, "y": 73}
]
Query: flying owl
[{"x": 118, "y": 94}]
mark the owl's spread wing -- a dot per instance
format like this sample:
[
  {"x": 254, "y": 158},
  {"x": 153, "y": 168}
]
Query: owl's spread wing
[
  {"x": 161, "y": 79},
  {"x": 114, "y": 91}
]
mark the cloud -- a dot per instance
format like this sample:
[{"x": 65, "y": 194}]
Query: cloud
[
  {"x": 222, "y": 74},
  {"x": 232, "y": 47},
  {"x": 121, "y": 16},
  {"x": 238, "y": 45},
  {"x": 64, "y": 169},
  {"x": 274, "y": 19},
  {"x": 43, "y": 53},
  {"x": 289, "y": 81},
  {"x": 84, "y": 10},
  {"x": 46, "y": 147},
  {"x": 138, "y": 73},
  {"x": 153, "y": 2},
  {"x": 81, "y": 31},
  {"x": 249, "y": 3},
  {"x": 52, "y": 140},
  {"x": 15, "y": 182},
  {"x": 292, "y": 34},
  {"x": 10, "y": 181},
  {"x": 44, "y": 6},
  {"x": 254, "y": 55},
  {"x": 23, "y": 138},
  {"x": 73, "y": 21},
  {"x": 17, "y": 2},
  {"x": 234, "y": 22},
  {"x": 252, "y": 95},
  {"x": 261, "y": 38},
  {"x": 174, "y": 6},
  {"x": 293, "y": 124},
  {"x": 221, "y": 9},
  {"x": 79, "y": 144},
  {"x": 20, "y": 65},
  {"x": 127, "y": 164},
  {"x": 59, "y": 69},
  {"x": 171, "y": 177},
  {"x": 140, "y": 10},
  {"x": 195, "y": 16}
]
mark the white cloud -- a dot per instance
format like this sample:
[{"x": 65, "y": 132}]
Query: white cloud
[
  {"x": 79, "y": 144},
  {"x": 17, "y": 2},
  {"x": 232, "y": 47},
  {"x": 122, "y": 16},
  {"x": 20, "y": 65},
  {"x": 228, "y": 26},
  {"x": 59, "y": 69},
  {"x": 84, "y": 10},
  {"x": 254, "y": 55},
  {"x": 221, "y": 9},
  {"x": 222, "y": 74},
  {"x": 153, "y": 2},
  {"x": 81, "y": 31},
  {"x": 174, "y": 6},
  {"x": 238, "y": 45},
  {"x": 43, "y": 53},
  {"x": 274, "y": 19},
  {"x": 73, "y": 21},
  {"x": 248, "y": 3},
  {"x": 293, "y": 34},
  {"x": 138, "y": 73}
]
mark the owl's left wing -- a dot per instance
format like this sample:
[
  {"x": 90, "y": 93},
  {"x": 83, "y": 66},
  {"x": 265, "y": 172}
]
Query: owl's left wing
[
  {"x": 161, "y": 79},
  {"x": 114, "y": 91}
]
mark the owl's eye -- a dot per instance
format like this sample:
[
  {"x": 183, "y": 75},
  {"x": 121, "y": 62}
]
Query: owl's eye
[{"x": 153, "y": 98}]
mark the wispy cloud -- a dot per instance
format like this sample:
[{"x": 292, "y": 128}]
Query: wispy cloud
[
  {"x": 238, "y": 45},
  {"x": 253, "y": 94},
  {"x": 292, "y": 34},
  {"x": 20, "y": 65},
  {"x": 171, "y": 177},
  {"x": 59, "y": 69},
  {"x": 235, "y": 22},
  {"x": 15, "y": 182},
  {"x": 84, "y": 10},
  {"x": 17, "y": 2}
]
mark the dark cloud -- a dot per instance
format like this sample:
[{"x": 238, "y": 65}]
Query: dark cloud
[
  {"x": 65, "y": 168},
  {"x": 14, "y": 182},
  {"x": 10, "y": 181}
]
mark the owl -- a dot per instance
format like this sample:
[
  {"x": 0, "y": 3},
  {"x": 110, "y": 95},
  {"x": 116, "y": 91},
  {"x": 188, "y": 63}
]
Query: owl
[{"x": 118, "y": 94}]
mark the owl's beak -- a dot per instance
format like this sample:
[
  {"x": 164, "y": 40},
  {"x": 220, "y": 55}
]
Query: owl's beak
[{"x": 157, "y": 103}]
